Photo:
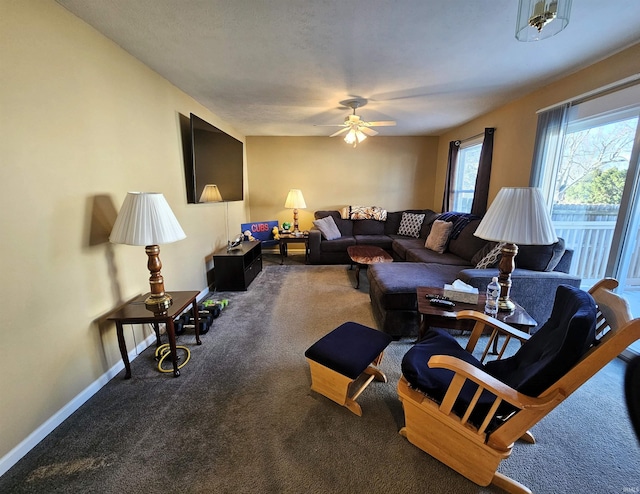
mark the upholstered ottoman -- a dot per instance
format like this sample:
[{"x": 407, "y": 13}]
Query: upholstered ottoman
[{"x": 343, "y": 363}]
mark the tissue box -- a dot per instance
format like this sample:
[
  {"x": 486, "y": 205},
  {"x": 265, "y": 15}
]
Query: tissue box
[{"x": 460, "y": 296}]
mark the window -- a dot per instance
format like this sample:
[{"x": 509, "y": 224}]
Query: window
[
  {"x": 587, "y": 165},
  {"x": 466, "y": 171}
]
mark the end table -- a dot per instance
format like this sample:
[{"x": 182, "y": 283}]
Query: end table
[
  {"x": 438, "y": 317},
  {"x": 135, "y": 312},
  {"x": 290, "y": 238}
]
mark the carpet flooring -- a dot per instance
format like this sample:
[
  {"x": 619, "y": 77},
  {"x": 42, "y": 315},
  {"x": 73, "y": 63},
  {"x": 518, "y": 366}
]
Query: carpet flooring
[{"x": 241, "y": 417}]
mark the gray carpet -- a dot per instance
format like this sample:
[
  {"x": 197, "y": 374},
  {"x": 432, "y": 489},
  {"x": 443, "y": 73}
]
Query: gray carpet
[{"x": 241, "y": 417}]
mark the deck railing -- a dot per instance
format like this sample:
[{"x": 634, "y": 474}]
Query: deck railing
[{"x": 591, "y": 243}]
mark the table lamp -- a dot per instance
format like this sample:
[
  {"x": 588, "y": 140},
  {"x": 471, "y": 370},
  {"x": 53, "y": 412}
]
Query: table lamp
[
  {"x": 295, "y": 201},
  {"x": 146, "y": 219},
  {"x": 518, "y": 215}
]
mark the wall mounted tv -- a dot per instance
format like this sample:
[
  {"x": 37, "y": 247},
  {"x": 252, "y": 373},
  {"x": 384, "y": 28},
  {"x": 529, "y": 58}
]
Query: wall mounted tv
[{"x": 216, "y": 158}]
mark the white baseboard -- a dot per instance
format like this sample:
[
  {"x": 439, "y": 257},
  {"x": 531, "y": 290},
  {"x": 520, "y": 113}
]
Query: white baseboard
[{"x": 13, "y": 456}]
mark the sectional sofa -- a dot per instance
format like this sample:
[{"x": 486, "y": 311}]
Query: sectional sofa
[{"x": 392, "y": 286}]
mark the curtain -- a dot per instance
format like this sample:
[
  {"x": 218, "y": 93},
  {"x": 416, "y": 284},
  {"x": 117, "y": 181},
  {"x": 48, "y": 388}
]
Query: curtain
[
  {"x": 481, "y": 193},
  {"x": 547, "y": 150},
  {"x": 454, "y": 147}
]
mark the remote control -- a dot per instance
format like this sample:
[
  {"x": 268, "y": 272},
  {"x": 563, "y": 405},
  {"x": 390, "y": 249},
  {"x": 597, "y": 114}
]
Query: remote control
[{"x": 438, "y": 302}]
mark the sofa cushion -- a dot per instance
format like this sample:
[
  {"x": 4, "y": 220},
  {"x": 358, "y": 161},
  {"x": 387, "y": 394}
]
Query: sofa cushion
[
  {"x": 368, "y": 227},
  {"x": 345, "y": 226},
  {"x": 540, "y": 257},
  {"x": 410, "y": 224},
  {"x": 337, "y": 245},
  {"x": 429, "y": 218},
  {"x": 466, "y": 244},
  {"x": 382, "y": 241},
  {"x": 327, "y": 227},
  {"x": 439, "y": 236},
  {"x": 426, "y": 255},
  {"x": 403, "y": 244},
  {"x": 393, "y": 285}
]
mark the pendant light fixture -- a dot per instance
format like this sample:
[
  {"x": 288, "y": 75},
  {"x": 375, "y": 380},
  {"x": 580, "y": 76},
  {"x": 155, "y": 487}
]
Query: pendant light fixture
[{"x": 540, "y": 19}]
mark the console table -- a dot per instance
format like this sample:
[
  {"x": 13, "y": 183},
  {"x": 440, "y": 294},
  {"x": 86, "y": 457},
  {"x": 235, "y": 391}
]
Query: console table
[
  {"x": 236, "y": 269},
  {"x": 135, "y": 312}
]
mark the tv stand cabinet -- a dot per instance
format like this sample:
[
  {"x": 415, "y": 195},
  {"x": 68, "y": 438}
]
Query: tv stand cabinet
[{"x": 236, "y": 269}]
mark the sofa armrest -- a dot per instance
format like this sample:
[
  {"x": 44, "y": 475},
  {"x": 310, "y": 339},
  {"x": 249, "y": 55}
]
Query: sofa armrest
[
  {"x": 315, "y": 237},
  {"x": 533, "y": 290}
]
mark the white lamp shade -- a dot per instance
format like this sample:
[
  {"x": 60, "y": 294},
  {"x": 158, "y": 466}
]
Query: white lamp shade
[
  {"x": 146, "y": 219},
  {"x": 210, "y": 193},
  {"x": 295, "y": 200},
  {"x": 518, "y": 215}
]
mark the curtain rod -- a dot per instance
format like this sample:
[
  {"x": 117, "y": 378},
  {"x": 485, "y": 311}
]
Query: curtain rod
[
  {"x": 614, "y": 86},
  {"x": 481, "y": 134}
]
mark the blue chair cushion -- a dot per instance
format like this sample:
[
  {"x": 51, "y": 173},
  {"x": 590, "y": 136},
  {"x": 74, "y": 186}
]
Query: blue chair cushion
[
  {"x": 555, "y": 348},
  {"x": 435, "y": 381},
  {"x": 349, "y": 348}
]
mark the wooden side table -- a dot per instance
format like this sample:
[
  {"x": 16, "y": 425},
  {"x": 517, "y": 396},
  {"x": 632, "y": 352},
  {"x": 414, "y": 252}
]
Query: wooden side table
[
  {"x": 290, "y": 238},
  {"x": 135, "y": 312},
  {"x": 439, "y": 317}
]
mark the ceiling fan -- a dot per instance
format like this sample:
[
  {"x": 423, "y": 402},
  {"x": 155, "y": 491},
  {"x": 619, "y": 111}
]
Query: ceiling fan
[{"x": 357, "y": 129}]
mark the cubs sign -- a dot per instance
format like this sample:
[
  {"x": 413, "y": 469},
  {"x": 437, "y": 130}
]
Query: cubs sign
[{"x": 261, "y": 230}]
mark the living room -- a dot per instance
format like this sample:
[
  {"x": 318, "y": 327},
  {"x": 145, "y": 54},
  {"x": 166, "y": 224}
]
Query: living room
[{"x": 83, "y": 122}]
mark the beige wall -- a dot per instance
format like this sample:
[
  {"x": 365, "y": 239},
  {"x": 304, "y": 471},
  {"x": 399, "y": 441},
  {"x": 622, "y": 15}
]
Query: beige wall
[
  {"x": 391, "y": 172},
  {"x": 516, "y": 122},
  {"x": 82, "y": 123}
]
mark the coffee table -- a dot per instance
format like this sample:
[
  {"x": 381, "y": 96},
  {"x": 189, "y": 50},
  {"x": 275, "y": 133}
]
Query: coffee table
[
  {"x": 364, "y": 255},
  {"x": 433, "y": 316}
]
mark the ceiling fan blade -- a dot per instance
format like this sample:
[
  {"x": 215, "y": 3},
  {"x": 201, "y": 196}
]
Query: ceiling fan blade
[
  {"x": 330, "y": 125},
  {"x": 381, "y": 123},
  {"x": 368, "y": 131},
  {"x": 339, "y": 132}
]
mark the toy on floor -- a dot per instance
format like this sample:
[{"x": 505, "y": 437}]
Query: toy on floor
[{"x": 215, "y": 306}]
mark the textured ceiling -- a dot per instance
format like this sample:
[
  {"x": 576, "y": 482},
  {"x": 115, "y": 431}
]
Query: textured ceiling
[{"x": 280, "y": 67}]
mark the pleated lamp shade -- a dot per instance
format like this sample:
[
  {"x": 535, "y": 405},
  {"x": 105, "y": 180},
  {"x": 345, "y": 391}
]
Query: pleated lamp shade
[
  {"x": 518, "y": 215},
  {"x": 295, "y": 200},
  {"x": 146, "y": 219},
  {"x": 210, "y": 193}
]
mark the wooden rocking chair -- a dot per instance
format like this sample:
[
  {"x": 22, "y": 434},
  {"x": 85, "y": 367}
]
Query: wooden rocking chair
[{"x": 471, "y": 423}]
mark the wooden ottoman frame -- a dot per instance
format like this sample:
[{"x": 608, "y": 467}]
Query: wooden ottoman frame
[{"x": 344, "y": 362}]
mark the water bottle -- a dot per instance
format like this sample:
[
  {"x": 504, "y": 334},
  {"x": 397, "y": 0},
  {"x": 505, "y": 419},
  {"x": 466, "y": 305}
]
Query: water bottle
[{"x": 493, "y": 293}]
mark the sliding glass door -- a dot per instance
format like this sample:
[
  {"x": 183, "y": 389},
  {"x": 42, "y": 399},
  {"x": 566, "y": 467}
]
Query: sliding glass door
[{"x": 591, "y": 181}]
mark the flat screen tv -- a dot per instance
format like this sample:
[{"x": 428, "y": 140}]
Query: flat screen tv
[{"x": 216, "y": 158}]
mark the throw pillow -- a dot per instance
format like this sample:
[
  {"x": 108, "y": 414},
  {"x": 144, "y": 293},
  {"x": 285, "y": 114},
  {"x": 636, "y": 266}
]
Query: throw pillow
[
  {"x": 492, "y": 258},
  {"x": 328, "y": 228},
  {"x": 540, "y": 257},
  {"x": 439, "y": 236},
  {"x": 410, "y": 224}
]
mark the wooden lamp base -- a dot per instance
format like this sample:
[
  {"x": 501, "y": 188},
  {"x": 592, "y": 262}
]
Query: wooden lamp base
[
  {"x": 158, "y": 301},
  {"x": 506, "y": 267}
]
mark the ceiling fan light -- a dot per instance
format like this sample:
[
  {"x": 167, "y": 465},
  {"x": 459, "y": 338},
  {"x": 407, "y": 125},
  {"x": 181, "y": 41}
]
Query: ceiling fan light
[
  {"x": 540, "y": 19},
  {"x": 350, "y": 138},
  {"x": 360, "y": 136}
]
